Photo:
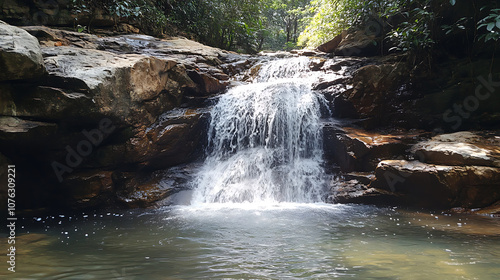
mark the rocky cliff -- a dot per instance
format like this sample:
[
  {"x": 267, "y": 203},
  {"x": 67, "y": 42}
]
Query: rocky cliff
[
  {"x": 88, "y": 120},
  {"x": 94, "y": 121}
]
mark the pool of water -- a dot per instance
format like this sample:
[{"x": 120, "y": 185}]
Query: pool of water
[{"x": 252, "y": 241}]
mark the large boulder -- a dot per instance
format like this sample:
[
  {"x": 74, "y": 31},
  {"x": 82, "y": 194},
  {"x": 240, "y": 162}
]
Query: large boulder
[
  {"x": 177, "y": 137},
  {"x": 460, "y": 148},
  {"x": 358, "y": 43},
  {"x": 354, "y": 149},
  {"x": 107, "y": 106},
  {"x": 375, "y": 94},
  {"x": 331, "y": 45},
  {"x": 30, "y": 101},
  {"x": 119, "y": 85},
  {"x": 439, "y": 186},
  {"x": 146, "y": 189},
  {"x": 20, "y": 54}
]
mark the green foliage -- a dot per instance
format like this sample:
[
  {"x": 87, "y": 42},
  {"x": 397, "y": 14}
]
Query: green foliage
[
  {"x": 248, "y": 25},
  {"x": 333, "y": 16},
  {"x": 414, "y": 34},
  {"x": 324, "y": 25},
  {"x": 149, "y": 18},
  {"x": 492, "y": 24},
  {"x": 242, "y": 25}
]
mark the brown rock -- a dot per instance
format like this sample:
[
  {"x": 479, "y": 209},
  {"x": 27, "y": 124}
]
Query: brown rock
[
  {"x": 331, "y": 45},
  {"x": 134, "y": 81},
  {"x": 460, "y": 148},
  {"x": 145, "y": 190},
  {"x": 358, "y": 43},
  {"x": 374, "y": 91},
  {"x": 20, "y": 54},
  {"x": 360, "y": 150},
  {"x": 49, "y": 37},
  {"x": 127, "y": 28},
  {"x": 207, "y": 84},
  {"x": 87, "y": 188},
  {"x": 176, "y": 138},
  {"x": 46, "y": 103},
  {"x": 439, "y": 186}
]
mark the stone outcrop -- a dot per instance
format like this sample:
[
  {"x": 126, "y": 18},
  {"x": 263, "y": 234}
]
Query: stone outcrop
[
  {"x": 331, "y": 45},
  {"x": 439, "y": 186},
  {"x": 374, "y": 92},
  {"x": 358, "y": 43},
  {"x": 452, "y": 170},
  {"x": 147, "y": 189},
  {"x": 446, "y": 171},
  {"x": 20, "y": 54},
  {"x": 355, "y": 149},
  {"x": 89, "y": 108},
  {"x": 460, "y": 148}
]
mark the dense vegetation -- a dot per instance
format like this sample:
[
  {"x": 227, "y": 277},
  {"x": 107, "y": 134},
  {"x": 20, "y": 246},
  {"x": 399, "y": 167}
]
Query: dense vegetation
[
  {"x": 407, "y": 24},
  {"x": 253, "y": 25},
  {"x": 242, "y": 25}
]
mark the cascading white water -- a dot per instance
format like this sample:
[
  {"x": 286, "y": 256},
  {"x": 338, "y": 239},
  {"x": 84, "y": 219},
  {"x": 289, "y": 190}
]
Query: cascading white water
[{"x": 265, "y": 140}]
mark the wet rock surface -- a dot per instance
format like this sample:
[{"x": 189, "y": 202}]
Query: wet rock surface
[
  {"x": 355, "y": 149},
  {"x": 439, "y": 186},
  {"x": 150, "y": 189},
  {"x": 85, "y": 107},
  {"x": 460, "y": 148},
  {"x": 121, "y": 115},
  {"x": 442, "y": 172}
]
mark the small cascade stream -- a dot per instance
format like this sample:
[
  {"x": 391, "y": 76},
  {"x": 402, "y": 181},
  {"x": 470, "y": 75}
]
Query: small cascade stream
[
  {"x": 265, "y": 140},
  {"x": 255, "y": 211}
]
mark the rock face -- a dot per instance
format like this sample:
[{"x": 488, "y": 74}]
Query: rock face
[
  {"x": 87, "y": 109},
  {"x": 355, "y": 149},
  {"x": 357, "y": 43},
  {"x": 439, "y": 186},
  {"x": 147, "y": 189},
  {"x": 460, "y": 171},
  {"x": 374, "y": 92},
  {"x": 20, "y": 55},
  {"x": 448, "y": 170},
  {"x": 331, "y": 45},
  {"x": 460, "y": 148}
]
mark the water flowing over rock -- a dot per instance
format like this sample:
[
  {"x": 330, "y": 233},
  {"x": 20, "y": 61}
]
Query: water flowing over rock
[{"x": 265, "y": 140}]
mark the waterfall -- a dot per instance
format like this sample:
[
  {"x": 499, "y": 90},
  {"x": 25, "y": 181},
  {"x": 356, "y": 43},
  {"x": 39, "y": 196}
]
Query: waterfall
[{"x": 265, "y": 140}]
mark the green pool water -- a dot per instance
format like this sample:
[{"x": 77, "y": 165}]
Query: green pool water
[{"x": 252, "y": 241}]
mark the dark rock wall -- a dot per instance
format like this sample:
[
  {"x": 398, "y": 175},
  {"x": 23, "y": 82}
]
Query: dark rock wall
[{"x": 91, "y": 109}]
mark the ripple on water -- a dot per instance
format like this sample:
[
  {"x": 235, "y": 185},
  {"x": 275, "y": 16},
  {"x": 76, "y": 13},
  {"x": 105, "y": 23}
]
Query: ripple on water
[{"x": 248, "y": 241}]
